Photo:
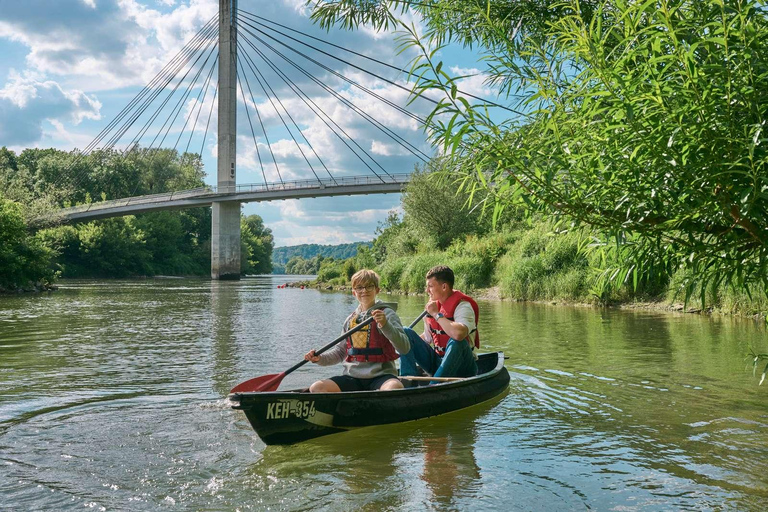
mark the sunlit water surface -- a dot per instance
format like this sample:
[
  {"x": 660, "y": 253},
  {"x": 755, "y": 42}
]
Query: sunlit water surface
[{"x": 113, "y": 397}]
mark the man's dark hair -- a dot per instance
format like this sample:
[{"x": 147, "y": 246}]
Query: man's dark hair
[{"x": 442, "y": 274}]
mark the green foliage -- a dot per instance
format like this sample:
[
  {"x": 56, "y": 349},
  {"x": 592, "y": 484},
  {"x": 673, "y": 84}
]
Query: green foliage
[
  {"x": 257, "y": 244},
  {"x": 543, "y": 265},
  {"x": 111, "y": 248},
  {"x": 412, "y": 278},
  {"x": 642, "y": 120},
  {"x": 436, "y": 208},
  {"x": 23, "y": 259},
  {"x": 752, "y": 301},
  {"x": 300, "y": 266},
  {"x": 331, "y": 271},
  {"x": 152, "y": 243},
  {"x": 391, "y": 271}
]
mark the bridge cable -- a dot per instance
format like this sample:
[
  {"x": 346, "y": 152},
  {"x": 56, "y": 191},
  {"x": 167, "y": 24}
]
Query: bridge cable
[
  {"x": 484, "y": 100},
  {"x": 199, "y": 105},
  {"x": 387, "y": 131},
  {"x": 377, "y": 124},
  {"x": 137, "y": 138},
  {"x": 158, "y": 90},
  {"x": 256, "y": 71},
  {"x": 348, "y": 80},
  {"x": 253, "y": 132},
  {"x": 94, "y": 143},
  {"x": 176, "y": 109},
  {"x": 210, "y": 113},
  {"x": 261, "y": 122},
  {"x": 179, "y": 56},
  {"x": 175, "y": 113},
  {"x": 308, "y": 100},
  {"x": 115, "y": 138},
  {"x": 180, "y": 104},
  {"x": 302, "y": 95}
]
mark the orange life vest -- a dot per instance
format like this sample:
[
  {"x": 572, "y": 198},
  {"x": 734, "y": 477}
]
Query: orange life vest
[
  {"x": 439, "y": 336},
  {"x": 368, "y": 345}
]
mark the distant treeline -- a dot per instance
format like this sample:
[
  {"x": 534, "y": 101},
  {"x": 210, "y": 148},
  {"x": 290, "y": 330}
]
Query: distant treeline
[
  {"x": 37, "y": 181},
  {"x": 305, "y": 256}
]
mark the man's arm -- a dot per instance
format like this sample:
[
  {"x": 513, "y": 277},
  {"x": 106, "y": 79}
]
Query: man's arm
[{"x": 454, "y": 329}]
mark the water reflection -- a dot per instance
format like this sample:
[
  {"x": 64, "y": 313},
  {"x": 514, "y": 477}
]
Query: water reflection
[
  {"x": 224, "y": 314},
  {"x": 424, "y": 464},
  {"x": 450, "y": 467}
]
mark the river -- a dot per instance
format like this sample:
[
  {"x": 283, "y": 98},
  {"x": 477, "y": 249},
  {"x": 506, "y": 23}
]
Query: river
[{"x": 113, "y": 397}]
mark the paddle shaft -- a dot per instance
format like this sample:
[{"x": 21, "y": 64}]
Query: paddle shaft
[
  {"x": 422, "y": 315},
  {"x": 343, "y": 337},
  {"x": 331, "y": 344}
]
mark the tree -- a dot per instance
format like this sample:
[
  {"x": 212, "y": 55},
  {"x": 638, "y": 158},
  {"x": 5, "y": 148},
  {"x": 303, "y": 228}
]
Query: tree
[
  {"x": 436, "y": 209},
  {"x": 257, "y": 243},
  {"x": 645, "y": 120},
  {"x": 23, "y": 259}
]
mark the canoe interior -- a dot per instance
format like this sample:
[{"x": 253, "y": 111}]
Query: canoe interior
[{"x": 285, "y": 417}]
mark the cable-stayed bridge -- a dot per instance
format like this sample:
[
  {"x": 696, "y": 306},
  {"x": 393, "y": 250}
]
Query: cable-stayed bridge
[
  {"x": 284, "y": 80},
  {"x": 206, "y": 196}
]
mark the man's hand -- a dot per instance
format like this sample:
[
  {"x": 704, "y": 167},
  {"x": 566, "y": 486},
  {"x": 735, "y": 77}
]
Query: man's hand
[
  {"x": 432, "y": 308},
  {"x": 310, "y": 356},
  {"x": 380, "y": 317}
]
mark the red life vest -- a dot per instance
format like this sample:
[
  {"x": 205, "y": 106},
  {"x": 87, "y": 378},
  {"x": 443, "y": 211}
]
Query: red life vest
[
  {"x": 368, "y": 345},
  {"x": 439, "y": 336}
]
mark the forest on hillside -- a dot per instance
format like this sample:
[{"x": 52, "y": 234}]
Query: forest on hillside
[{"x": 305, "y": 252}]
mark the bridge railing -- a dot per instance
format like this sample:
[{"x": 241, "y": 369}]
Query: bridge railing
[
  {"x": 147, "y": 199},
  {"x": 322, "y": 183},
  {"x": 400, "y": 178}
]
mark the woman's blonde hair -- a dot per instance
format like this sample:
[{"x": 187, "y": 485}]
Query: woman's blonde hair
[{"x": 364, "y": 277}]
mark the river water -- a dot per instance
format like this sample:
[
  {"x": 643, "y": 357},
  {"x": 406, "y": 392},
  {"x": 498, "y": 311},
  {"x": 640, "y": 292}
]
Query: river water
[{"x": 113, "y": 397}]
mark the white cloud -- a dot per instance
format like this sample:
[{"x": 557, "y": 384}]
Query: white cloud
[{"x": 26, "y": 102}]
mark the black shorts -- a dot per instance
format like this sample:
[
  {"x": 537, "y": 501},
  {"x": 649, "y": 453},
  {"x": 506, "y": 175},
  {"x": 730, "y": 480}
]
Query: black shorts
[{"x": 347, "y": 383}]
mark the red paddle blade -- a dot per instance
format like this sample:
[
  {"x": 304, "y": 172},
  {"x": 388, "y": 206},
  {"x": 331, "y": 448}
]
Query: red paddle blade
[{"x": 260, "y": 384}]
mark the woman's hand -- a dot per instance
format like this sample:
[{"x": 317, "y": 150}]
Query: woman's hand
[{"x": 311, "y": 357}]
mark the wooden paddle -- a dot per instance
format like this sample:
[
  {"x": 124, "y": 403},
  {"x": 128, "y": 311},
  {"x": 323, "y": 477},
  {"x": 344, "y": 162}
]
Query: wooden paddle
[{"x": 272, "y": 382}]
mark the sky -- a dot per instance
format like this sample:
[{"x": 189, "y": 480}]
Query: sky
[{"x": 68, "y": 68}]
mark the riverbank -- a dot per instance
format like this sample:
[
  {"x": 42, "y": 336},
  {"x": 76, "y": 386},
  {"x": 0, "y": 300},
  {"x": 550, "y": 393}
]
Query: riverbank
[
  {"x": 494, "y": 293},
  {"x": 31, "y": 287}
]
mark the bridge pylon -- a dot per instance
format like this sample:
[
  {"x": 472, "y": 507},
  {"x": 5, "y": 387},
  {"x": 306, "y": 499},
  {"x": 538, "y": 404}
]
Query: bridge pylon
[{"x": 225, "y": 229}]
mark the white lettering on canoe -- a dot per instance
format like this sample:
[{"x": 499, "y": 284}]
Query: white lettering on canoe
[{"x": 285, "y": 408}]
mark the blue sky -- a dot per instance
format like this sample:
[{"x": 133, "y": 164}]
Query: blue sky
[{"x": 67, "y": 67}]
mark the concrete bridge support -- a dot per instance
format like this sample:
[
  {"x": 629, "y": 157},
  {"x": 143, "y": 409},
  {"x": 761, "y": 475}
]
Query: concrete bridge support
[{"x": 225, "y": 231}]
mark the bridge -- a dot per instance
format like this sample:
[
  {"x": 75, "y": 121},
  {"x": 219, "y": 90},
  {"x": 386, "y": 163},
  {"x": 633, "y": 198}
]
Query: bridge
[
  {"x": 206, "y": 196},
  {"x": 245, "y": 48}
]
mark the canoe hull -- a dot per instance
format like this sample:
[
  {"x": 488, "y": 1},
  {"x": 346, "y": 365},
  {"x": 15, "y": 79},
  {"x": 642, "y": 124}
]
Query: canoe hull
[{"x": 286, "y": 417}]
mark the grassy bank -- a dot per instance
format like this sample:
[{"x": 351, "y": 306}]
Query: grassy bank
[{"x": 533, "y": 262}]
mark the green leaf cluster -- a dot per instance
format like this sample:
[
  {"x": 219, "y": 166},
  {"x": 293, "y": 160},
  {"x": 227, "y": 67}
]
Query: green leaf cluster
[
  {"x": 643, "y": 120},
  {"x": 24, "y": 260}
]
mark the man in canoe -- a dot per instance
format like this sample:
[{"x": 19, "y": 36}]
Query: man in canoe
[
  {"x": 369, "y": 354},
  {"x": 446, "y": 348}
]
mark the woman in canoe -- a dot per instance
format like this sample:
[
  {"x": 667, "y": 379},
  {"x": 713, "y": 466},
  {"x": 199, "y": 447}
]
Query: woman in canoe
[{"x": 368, "y": 355}]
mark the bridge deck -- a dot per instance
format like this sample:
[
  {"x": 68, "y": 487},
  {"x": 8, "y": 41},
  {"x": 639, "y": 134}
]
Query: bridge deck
[{"x": 205, "y": 196}]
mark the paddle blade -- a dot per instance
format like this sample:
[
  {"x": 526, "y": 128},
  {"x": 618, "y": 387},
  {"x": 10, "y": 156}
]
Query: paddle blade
[{"x": 260, "y": 384}]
